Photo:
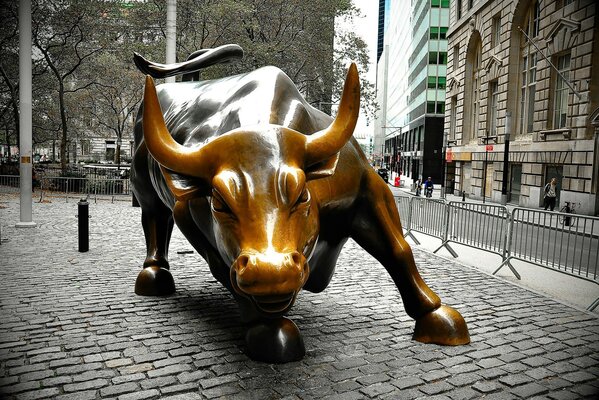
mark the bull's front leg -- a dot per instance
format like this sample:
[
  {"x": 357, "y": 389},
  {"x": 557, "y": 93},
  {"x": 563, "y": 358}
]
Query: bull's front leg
[
  {"x": 155, "y": 278},
  {"x": 377, "y": 229}
]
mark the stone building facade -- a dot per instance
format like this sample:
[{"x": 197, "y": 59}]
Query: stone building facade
[{"x": 522, "y": 91}]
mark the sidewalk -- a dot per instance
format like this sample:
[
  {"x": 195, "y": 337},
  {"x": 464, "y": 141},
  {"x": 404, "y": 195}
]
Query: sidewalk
[{"x": 72, "y": 328}]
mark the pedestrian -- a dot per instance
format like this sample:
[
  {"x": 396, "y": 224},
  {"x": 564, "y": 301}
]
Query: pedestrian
[
  {"x": 418, "y": 186},
  {"x": 550, "y": 194},
  {"x": 428, "y": 187}
]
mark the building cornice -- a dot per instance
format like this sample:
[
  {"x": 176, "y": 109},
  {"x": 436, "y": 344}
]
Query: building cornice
[{"x": 467, "y": 17}]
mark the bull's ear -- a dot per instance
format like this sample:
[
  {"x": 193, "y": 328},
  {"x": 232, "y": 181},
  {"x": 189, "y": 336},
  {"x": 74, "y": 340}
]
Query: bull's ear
[
  {"x": 184, "y": 187},
  {"x": 322, "y": 169}
]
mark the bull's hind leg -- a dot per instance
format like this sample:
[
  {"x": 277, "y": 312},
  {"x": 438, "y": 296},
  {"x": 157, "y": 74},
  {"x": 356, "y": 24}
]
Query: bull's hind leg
[{"x": 378, "y": 230}]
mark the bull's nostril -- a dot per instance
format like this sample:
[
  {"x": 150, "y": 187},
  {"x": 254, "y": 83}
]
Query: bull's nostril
[
  {"x": 296, "y": 258},
  {"x": 242, "y": 263}
]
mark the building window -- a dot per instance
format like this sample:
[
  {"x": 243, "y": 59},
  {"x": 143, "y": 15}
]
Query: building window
[
  {"x": 440, "y": 108},
  {"x": 527, "y": 93},
  {"x": 473, "y": 71},
  {"x": 432, "y": 82},
  {"x": 492, "y": 108},
  {"x": 532, "y": 19},
  {"x": 110, "y": 150},
  {"x": 441, "y": 82},
  {"x": 470, "y": 4},
  {"x": 430, "y": 107},
  {"x": 439, "y": 57},
  {"x": 434, "y": 33},
  {"x": 85, "y": 147},
  {"x": 459, "y": 9},
  {"x": 496, "y": 30},
  {"x": 456, "y": 57},
  {"x": 528, "y": 71},
  {"x": 443, "y": 32},
  {"x": 560, "y": 103},
  {"x": 453, "y": 116}
]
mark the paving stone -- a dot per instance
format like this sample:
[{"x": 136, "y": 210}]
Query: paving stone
[
  {"x": 529, "y": 390},
  {"x": 115, "y": 390},
  {"x": 142, "y": 395}
]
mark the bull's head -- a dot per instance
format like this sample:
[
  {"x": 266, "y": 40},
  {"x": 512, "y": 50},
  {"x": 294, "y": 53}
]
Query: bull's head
[{"x": 264, "y": 218}]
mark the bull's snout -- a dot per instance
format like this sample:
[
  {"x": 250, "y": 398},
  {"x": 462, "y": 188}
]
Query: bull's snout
[{"x": 272, "y": 280}]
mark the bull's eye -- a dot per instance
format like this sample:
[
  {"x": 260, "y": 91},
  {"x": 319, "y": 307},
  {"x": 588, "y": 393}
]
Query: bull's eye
[
  {"x": 218, "y": 204},
  {"x": 302, "y": 199}
]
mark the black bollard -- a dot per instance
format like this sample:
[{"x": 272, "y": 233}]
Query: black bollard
[
  {"x": 463, "y": 195},
  {"x": 83, "y": 222}
]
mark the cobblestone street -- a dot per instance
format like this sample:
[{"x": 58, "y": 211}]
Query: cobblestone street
[{"x": 71, "y": 326}]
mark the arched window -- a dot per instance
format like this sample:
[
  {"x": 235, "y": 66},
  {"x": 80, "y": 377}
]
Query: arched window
[
  {"x": 472, "y": 89},
  {"x": 528, "y": 69}
]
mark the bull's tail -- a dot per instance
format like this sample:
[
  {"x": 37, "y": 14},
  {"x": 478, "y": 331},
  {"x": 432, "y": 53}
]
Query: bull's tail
[{"x": 195, "y": 62}]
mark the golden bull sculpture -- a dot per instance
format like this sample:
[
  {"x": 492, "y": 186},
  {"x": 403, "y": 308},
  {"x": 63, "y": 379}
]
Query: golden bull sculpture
[{"x": 267, "y": 189}]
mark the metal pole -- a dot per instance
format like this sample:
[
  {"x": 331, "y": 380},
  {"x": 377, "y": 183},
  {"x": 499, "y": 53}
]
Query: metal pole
[
  {"x": 25, "y": 135},
  {"x": 83, "y": 222},
  {"x": 506, "y": 156},
  {"x": 171, "y": 35},
  {"x": 485, "y": 167}
]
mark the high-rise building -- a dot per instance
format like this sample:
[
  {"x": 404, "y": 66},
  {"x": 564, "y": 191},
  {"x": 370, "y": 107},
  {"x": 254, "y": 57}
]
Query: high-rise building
[
  {"x": 523, "y": 100},
  {"x": 412, "y": 83}
]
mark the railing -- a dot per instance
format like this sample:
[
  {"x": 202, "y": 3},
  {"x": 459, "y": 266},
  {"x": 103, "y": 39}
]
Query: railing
[
  {"x": 9, "y": 184},
  {"x": 71, "y": 187},
  {"x": 476, "y": 225},
  {"x": 566, "y": 243}
]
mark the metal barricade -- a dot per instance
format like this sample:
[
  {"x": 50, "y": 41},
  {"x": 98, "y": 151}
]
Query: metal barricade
[
  {"x": 404, "y": 205},
  {"x": 566, "y": 243},
  {"x": 481, "y": 226},
  {"x": 9, "y": 184},
  {"x": 428, "y": 216},
  {"x": 74, "y": 187}
]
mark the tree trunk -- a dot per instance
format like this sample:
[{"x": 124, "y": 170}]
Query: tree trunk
[{"x": 63, "y": 122}]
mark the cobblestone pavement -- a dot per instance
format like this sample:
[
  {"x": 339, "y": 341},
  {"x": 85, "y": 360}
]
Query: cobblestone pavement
[{"x": 72, "y": 328}]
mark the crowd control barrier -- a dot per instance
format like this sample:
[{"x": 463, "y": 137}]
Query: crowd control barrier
[
  {"x": 71, "y": 187},
  {"x": 566, "y": 243}
]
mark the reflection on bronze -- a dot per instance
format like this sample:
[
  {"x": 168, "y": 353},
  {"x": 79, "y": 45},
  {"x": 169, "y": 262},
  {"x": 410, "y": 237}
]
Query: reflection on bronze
[{"x": 268, "y": 189}]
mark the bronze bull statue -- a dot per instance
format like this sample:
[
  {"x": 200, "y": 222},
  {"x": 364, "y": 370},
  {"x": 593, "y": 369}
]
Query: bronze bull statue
[{"x": 267, "y": 189}]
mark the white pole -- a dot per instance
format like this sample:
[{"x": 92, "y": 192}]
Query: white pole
[
  {"x": 26, "y": 166},
  {"x": 171, "y": 34}
]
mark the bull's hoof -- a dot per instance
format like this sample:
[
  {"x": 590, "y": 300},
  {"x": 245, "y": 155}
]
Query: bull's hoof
[
  {"x": 443, "y": 326},
  {"x": 275, "y": 341},
  {"x": 154, "y": 281}
]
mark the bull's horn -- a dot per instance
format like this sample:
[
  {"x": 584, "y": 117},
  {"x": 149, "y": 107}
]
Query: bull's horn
[
  {"x": 160, "y": 143},
  {"x": 324, "y": 144}
]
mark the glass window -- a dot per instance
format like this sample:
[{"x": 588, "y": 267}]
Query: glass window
[
  {"x": 440, "y": 108},
  {"x": 434, "y": 32},
  {"x": 443, "y": 33},
  {"x": 459, "y": 9},
  {"x": 527, "y": 93},
  {"x": 441, "y": 82},
  {"x": 432, "y": 82},
  {"x": 432, "y": 57},
  {"x": 430, "y": 107},
  {"x": 456, "y": 57},
  {"x": 453, "y": 117},
  {"x": 560, "y": 102},
  {"x": 495, "y": 31},
  {"x": 443, "y": 58},
  {"x": 435, "y": 3},
  {"x": 492, "y": 108},
  {"x": 444, "y": 3}
]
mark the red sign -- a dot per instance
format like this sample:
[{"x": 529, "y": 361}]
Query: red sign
[
  {"x": 448, "y": 155},
  {"x": 489, "y": 147}
]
